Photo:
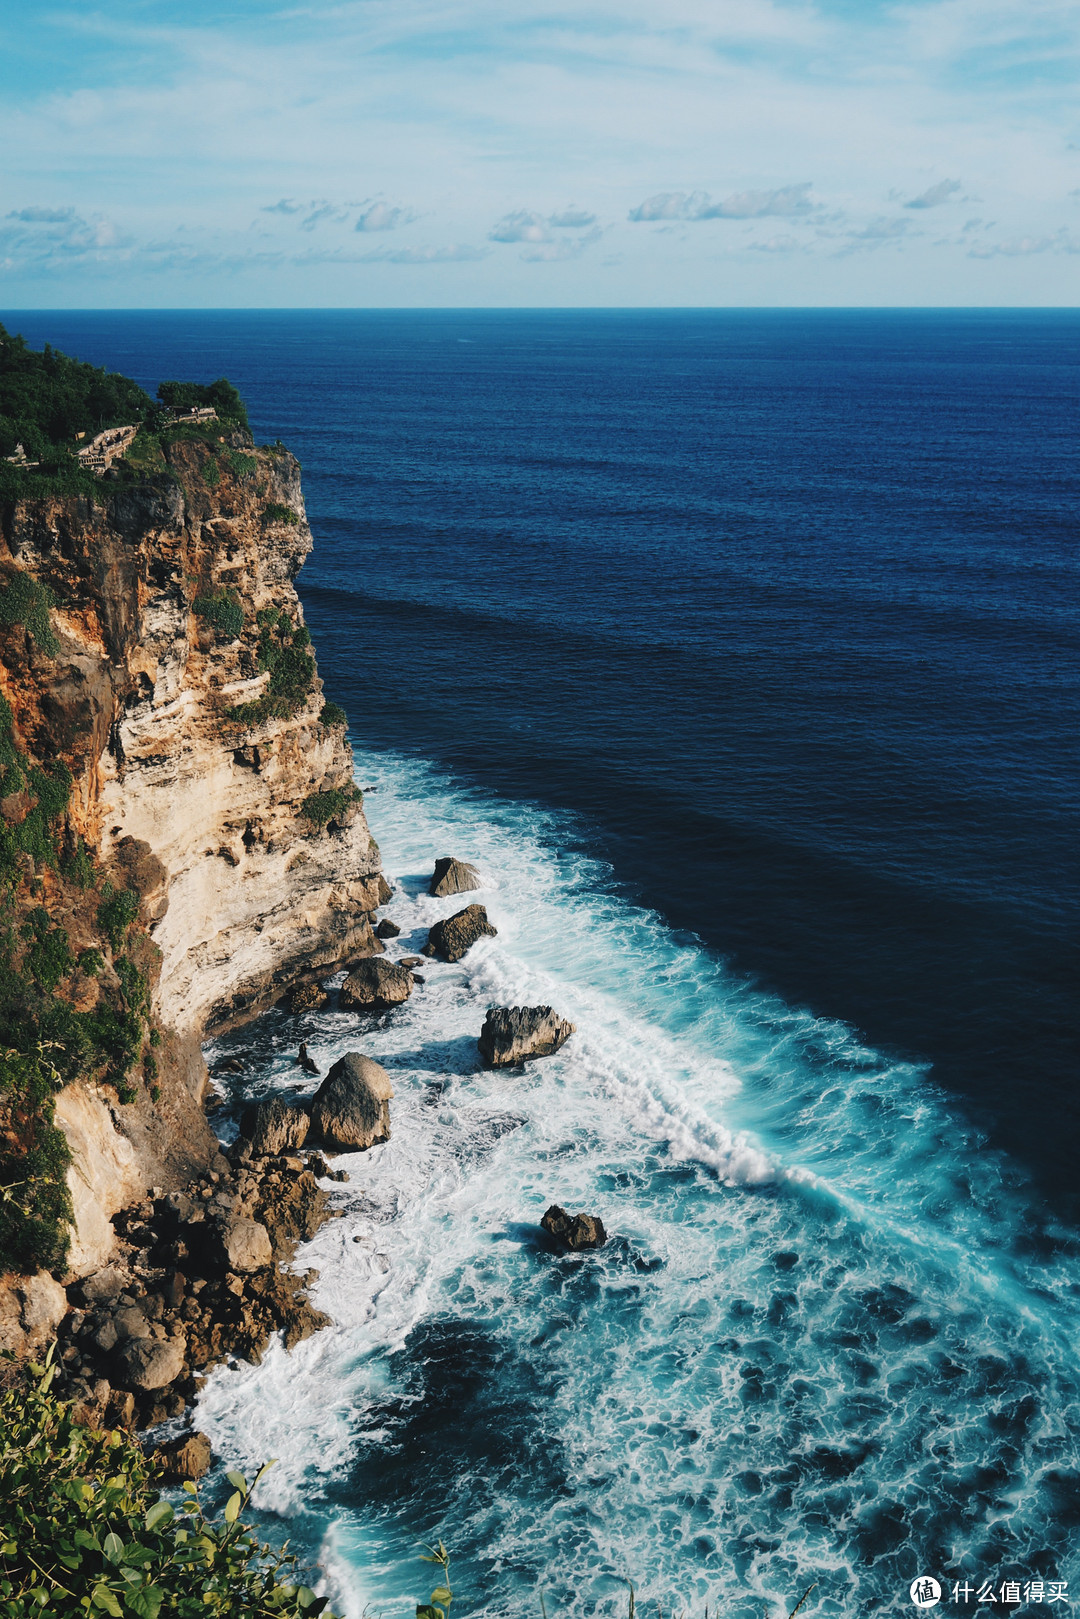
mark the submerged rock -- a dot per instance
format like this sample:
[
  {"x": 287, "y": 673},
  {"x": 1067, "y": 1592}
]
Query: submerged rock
[
  {"x": 574, "y": 1231},
  {"x": 513, "y": 1034},
  {"x": 374, "y": 984},
  {"x": 452, "y": 938},
  {"x": 453, "y": 877},
  {"x": 351, "y": 1109}
]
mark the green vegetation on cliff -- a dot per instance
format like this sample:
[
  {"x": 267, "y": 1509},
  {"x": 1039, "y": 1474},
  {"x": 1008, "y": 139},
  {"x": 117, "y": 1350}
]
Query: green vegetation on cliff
[
  {"x": 46, "y": 1039},
  {"x": 84, "y": 1529},
  {"x": 47, "y": 398}
]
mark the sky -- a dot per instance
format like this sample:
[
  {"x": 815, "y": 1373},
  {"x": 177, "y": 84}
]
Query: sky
[{"x": 613, "y": 153}]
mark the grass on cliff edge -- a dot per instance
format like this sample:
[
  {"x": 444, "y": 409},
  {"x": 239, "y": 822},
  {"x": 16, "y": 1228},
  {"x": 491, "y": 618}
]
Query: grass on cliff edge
[{"x": 85, "y": 1530}]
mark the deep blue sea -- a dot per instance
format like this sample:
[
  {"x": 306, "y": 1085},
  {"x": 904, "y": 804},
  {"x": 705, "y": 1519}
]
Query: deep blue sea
[{"x": 739, "y": 650}]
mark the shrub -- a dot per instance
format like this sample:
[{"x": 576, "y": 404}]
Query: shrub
[
  {"x": 324, "y": 807},
  {"x": 24, "y": 600},
  {"x": 259, "y": 710},
  {"x": 333, "y": 715},
  {"x": 78, "y": 867},
  {"x": 49, "y": 957},
  {"x": 223, "y": 611},
  {"x": 293, "y": 674},
  {"x": 117, "y": 911},
  {"x": 91, "y": 962},
  {"x": 35, "y": 1204},
  {"x": 276, "y": 513},
  {"x": 83, "y": 1528},
  {"x": 242, "y": 465},
  {"x": 211, "y": 473}
]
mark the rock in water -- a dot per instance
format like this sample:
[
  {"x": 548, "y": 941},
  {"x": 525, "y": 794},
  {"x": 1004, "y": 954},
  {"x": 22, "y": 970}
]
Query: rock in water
[
  {"x": 451, "y": 939},
  {"x": 513, "y": 1034},
  {"x": 373, "y": 984},
  {"x": 453, "y": 877},
  {"x": 188, "y": 1457},
  {"x": 574, "y": 1231},
  {"x": 387, "y": 929},
  {"x": 274, "y": 1127},
  {"x": 351, "y": 1108}
]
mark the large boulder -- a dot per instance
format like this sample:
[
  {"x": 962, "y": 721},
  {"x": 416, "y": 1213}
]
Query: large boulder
[
  {"x": 152, "y": 1363},
  {"x": 450, "y": 939},
  {"x": 350, "y": 1111},
  {"x": 275, "y": 1126},
  {"x": 374, "y": 984},
  {"x": 574, "y": 1231},
  {"x": 513, "y": 1034},
  {"x": 247, "y": 1245},
  {"x": 453, "y": 877}
]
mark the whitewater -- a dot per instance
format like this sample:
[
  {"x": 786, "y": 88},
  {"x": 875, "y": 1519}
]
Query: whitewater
[{"x": 826, "y": 1344}]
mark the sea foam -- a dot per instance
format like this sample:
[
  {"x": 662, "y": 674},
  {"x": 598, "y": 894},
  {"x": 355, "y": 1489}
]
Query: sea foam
[{"x": 817, "y": 1348}]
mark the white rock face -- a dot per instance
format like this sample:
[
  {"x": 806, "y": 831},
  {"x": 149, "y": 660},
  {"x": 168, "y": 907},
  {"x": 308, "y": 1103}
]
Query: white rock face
[{"x": 103, "y": 1178}]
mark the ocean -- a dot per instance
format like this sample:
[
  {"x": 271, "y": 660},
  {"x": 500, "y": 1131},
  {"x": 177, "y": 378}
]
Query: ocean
[{"x": 738, "y": 650}]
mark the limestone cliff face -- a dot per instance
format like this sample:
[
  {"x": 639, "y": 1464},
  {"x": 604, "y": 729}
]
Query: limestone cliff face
[{"x": 254, "y": 864}]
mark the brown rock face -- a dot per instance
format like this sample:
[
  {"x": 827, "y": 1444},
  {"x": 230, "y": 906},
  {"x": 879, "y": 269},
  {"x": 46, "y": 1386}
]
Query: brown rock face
[
  {"x": 275, "y": 1126},
  {"x": 574, "y": 1231},
  {"x": 351, "y": 1109},
  {"x": 515, "y": 1034},
  {"x": 197, "y": 786},
  {"x": 451, "y": 939},
  {"x": 185, "y": 1458},
  {"x": 374, "y": 985},
  {"x": 453, "y": 877}
]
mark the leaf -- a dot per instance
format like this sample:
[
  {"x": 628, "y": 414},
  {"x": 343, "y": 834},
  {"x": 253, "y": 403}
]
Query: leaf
[
  {"x": 146, "y": 1603},
  {"x": 305, "y": 1596},
  {"x": 161, "y": 1512},
  {"x": 102, "y": 1597},
  {"x": 232, "y": 1507},
  {"x": 238, "y": 1481},
  {"x": 442, "y": 1594},
  {"x": 190, "y": 1488},
  {"x": 113, "y": 1548}
]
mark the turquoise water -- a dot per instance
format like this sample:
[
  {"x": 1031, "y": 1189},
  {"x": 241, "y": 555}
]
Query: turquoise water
[{"x": 818, "y": 1347}]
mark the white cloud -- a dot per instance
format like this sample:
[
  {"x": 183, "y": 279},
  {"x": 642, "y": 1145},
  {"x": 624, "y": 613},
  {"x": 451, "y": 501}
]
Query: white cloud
[
  {"x": 556, "y": 252},
  {"x": 521, "y": 226},
  {"x": 287, "y": 205},
  {"x": 935, "y": 196},
  {"x": 380, "y": 216},
  {"x": 571, "y": 219},
  {"x": 786, "y": 201},
  {"x": 776, "y": 244},
  {"x": 1020, "y": 247}
]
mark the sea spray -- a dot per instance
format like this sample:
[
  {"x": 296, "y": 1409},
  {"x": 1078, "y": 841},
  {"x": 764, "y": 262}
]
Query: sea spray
[{"x": 818, "y": 1348}]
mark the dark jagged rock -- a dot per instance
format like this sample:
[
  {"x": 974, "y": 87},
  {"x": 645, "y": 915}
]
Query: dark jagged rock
[
  {"x": 307, "y": 998},
  {"x": 451, "y": 939},
  {"x": 387, "y": 929},
  {"x": 453, "y": 877},
  {"x": 574, "y": 1231},
  {"x": 351, "y": 1109},
  {"x": 305, "y": 1061},
  {"x": 152, "y": 1363},
  {"x": 275, "y": 1126},
  {"x": 516, "y": 1034},
  {"x": 374, "y": 985}
]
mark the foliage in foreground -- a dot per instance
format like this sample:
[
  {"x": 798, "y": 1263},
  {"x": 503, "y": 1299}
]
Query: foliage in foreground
[{"x": 83, "y": 1530}]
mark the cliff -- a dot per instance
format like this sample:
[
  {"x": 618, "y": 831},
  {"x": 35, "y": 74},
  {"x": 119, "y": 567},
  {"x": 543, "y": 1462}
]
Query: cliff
[{"x": 182, "y": 841}]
